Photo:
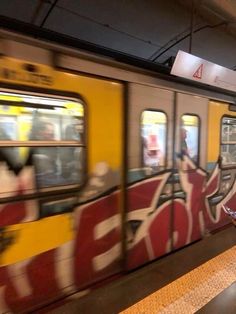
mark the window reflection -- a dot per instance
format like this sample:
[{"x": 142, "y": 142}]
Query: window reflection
[
  {"x": 27, "y": 119},
  {"x": 21, "y": 123},
  {"x": 189, "y": 135},
  {"x": 228, "y": 141},
  {"x": 73, "y": 130},
  {"x": 153, "y": 131},
  {"x": 58, "y": 165}
]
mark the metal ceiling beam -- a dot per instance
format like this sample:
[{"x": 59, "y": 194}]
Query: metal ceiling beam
[{"x": 48, "y": 13}]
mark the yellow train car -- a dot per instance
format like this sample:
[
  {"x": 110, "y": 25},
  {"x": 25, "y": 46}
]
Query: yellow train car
[{"x": 104, "y": 167}]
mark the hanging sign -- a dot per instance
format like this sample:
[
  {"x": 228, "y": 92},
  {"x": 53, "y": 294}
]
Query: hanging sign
[{"x": 200, "y": 70}]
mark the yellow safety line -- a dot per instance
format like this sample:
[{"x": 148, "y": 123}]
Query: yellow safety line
[{"x": 192, "y": 291}]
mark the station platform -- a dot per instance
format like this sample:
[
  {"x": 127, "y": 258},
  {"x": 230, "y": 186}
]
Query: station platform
[{"x": 200, "y": 278}]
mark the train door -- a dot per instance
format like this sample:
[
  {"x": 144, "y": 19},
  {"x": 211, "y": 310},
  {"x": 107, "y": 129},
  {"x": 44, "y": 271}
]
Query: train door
[
  {"x": 150, "y": 146},
  {"x": 170, "y": 187},
  {"x": 190, "y": 163}
]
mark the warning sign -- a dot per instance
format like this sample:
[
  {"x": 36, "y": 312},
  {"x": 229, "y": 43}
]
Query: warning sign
[
  {"x": 192, "y": 67},
  {"x": 198, "y": 73}
]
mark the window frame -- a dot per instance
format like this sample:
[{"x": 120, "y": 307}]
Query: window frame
[
  {"x": 38, "y": 92},
  {"x": 228, "y": 166}
]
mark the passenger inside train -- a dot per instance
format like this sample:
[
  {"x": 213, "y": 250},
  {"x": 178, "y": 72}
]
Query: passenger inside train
[
  {"x": 71, "y": 157},
  {"x": 45, "y": 158},
  {"x": 184, "y": 145},
  {"x": 189, "y": 136},
  {"x": 57, "y": 165}
]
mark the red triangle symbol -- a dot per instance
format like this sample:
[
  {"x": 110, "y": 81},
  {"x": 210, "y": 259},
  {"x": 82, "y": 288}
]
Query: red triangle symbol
[{"x": 198, "y": 73}]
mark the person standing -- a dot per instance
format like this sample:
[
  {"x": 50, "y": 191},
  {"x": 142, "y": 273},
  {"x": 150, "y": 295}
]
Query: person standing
[{"x": 183, "y": 142}]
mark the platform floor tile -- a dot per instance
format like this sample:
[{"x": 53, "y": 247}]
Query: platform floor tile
[{"x": 192, "y": 291}]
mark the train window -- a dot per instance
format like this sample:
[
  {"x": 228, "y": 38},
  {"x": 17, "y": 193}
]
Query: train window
[
  {"x": 153, "y": 133},
  {"x": 228, "y": 141},
  {"x": 189, "y": 136},
  {"x": 46, "y": 132}
]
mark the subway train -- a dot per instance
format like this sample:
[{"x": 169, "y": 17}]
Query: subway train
[{"x": 105, "y": 167}]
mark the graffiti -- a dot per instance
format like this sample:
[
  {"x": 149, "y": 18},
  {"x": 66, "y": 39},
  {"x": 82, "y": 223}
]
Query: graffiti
[
  {"x": 157, "y": 222},
  {"x": 142, "y": 203},
  {"x": 22, "y": 184},
  {"x": 191, "y": 216},
  {"x": 102, "y": 236}
]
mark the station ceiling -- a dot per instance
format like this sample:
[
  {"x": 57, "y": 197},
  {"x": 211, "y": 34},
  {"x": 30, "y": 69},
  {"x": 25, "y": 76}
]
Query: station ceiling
[{"x": 151, "y": 30}]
